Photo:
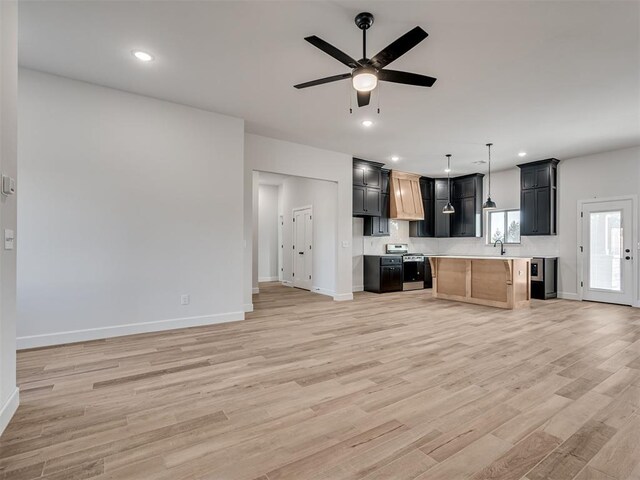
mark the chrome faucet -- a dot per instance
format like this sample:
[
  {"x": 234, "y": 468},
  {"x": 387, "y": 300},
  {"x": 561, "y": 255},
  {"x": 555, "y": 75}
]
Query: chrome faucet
[{"x": 502, "y": 251}]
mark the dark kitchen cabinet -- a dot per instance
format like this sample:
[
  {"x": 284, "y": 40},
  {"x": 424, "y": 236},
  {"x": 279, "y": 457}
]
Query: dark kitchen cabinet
[
  {"x": 536, "y": 176},
  {"x": 391, "y": 279},
  {"x": 538, "y": 197},
  {"x": 366, "y": 201},
  {"x": 535, "y": 212},
  {"x": 442, "y": 189},
  {"x": 466, "y": 221},
  {"x": 367, "y": 174},
  {"x": 464, "y": 187},
  {"x": 426, "y": 227},
  {"x": 441, "y": 221},
  {"x": 379, "y": 226},
  {"x": 383, "y": 273},
  {"x": 367, "y": 191}
]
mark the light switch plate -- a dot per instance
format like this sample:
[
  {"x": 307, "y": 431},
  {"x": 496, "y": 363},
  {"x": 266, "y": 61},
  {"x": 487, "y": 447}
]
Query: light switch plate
[{"x": 9, "y": 239}]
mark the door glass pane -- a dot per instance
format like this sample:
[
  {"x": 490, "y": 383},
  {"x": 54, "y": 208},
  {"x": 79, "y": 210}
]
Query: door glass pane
[
  {"x": 605, "y": 249},
  {"x": 496, "y": 225}
]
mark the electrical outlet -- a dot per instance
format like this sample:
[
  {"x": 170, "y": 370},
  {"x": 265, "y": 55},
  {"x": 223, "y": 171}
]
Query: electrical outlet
[{"x": 185, "y": 299}]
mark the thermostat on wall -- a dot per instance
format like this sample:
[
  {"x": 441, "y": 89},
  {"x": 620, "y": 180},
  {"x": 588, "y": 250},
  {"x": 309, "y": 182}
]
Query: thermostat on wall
[{"x": 8, "y": 185}]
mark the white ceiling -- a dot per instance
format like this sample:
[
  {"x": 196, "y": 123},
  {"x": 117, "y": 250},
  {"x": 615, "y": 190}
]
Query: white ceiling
[{"x": 552, "y": 78}]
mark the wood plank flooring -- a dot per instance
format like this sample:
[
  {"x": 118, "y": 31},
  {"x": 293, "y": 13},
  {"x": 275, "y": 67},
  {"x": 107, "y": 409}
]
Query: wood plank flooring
[{"x": 396, "y": 386}]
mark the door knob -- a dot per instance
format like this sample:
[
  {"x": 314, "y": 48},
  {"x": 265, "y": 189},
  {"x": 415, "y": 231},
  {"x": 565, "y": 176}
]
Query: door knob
[
  {"x": 627, "y": 257},
  {"x": 300, "y": 253},
  {"x": 627, "y": 250}
]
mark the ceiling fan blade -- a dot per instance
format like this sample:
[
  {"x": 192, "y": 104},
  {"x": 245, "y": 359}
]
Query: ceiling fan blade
[
  {"x": 333, "y": 51},
  {"x": 320, "y": 81},
  {"x": 364, "y": 98},
  {"x": 406, "y": 78},
  {"x": 398, "y": 48}
]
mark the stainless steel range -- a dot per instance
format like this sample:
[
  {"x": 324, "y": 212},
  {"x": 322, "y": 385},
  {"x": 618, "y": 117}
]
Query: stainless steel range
[{"x": 413, "y": 266}]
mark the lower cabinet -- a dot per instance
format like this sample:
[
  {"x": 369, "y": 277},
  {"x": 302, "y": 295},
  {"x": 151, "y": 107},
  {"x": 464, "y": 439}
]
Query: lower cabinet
[
  {"x": 390, "y": 279},
  {"x": 383, "y": 273}
]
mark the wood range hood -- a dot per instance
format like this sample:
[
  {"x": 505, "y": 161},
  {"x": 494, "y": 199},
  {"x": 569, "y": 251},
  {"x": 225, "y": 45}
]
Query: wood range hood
[{"x": 406, "y": 198}]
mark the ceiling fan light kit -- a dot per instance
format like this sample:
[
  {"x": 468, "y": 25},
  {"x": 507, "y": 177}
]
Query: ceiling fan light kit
[
  {"x": 367, "y": 72},
  {"x": 364, "y": 79}
]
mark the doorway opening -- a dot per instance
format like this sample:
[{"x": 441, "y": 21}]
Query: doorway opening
[
  {"x": 295, "y": 234},
  {"x": 607, "y": 233}
]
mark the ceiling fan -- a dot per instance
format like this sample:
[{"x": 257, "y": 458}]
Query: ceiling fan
[{"x": 366, "y": 72}]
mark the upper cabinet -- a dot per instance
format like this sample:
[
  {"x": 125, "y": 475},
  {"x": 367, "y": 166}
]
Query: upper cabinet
[
  {"x": 367, "y": 174},
  {"x": 367, "y": 193},
  {"x": 538, "y": 197},
  {"x": 442, "y": 221},
  {"x": 466, "y": 198},
  {"x": 379, "y": 226},
  {"x": 425, "y": 228},
  {"x": 406, "y": 198}
]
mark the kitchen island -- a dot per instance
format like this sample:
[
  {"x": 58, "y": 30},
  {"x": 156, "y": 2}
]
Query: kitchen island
[{"x": 503, "y": 282}]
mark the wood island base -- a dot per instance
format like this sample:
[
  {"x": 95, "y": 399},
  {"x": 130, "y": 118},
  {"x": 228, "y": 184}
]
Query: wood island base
[{"x": 502, "y": 282}]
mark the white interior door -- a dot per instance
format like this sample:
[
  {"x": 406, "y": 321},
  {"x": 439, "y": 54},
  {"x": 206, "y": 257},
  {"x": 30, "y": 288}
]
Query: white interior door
[
  {"x": 302, "y": 247},
  {"x": 607, "y": 231}
]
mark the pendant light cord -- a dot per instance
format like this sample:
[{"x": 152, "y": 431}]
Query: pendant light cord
[
  {"x": 449, "y": 178},
  {"x": 489, "y": 146}
]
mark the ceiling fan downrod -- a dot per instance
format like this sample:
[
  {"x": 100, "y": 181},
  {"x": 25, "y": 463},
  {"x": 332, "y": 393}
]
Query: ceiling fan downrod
[{"x": 364, "y": 21}]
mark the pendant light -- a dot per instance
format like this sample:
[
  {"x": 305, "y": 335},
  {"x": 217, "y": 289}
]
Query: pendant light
[
  {"x": 448, "y": 208},
  {"x": 489, "y": 204}
]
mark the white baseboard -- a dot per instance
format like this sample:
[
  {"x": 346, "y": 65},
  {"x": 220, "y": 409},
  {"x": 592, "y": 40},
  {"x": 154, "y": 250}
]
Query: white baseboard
[
  {"x": 358, "y": 288},
  {"x": 568, "y": 296},
  {"x": 255, "y": 290},
  {"x": 9, "y": 408},
  {"x": 248, "y": 307},
  {"x": 59, "y": 338},
  {"x": 267, "y": 279},
  {"x": 322, "y": 291},
  {"x": 343, "y": 297}
]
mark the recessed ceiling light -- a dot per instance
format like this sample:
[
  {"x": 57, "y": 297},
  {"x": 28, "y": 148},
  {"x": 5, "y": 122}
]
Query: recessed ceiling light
[
  {"x": 395, "y": 158},
  {"x": 522, "y": 154},
  {"x": 367, "y": 123},
  {"x": 142, "y": 56}
]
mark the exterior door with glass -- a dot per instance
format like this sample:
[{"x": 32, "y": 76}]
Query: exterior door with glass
[{"x": 607, "y": 249}]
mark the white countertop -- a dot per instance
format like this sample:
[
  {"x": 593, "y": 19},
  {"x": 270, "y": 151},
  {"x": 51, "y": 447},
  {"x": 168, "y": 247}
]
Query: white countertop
[{"x": 481, "y": 257}]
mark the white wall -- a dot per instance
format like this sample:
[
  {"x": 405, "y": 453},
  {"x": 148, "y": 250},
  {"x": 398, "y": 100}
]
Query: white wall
[
  {"x": 277, "y": 156},
  {"x": 322, "y": 196},
  {"x": 127, "y": 203},
  {"x": 603, "y": 175},
  {"x": 8, "y": 165},
  {"x": 268, "y": 233}
]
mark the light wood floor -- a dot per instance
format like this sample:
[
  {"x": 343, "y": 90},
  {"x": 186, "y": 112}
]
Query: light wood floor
[{"x": 397, "y": 386}]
